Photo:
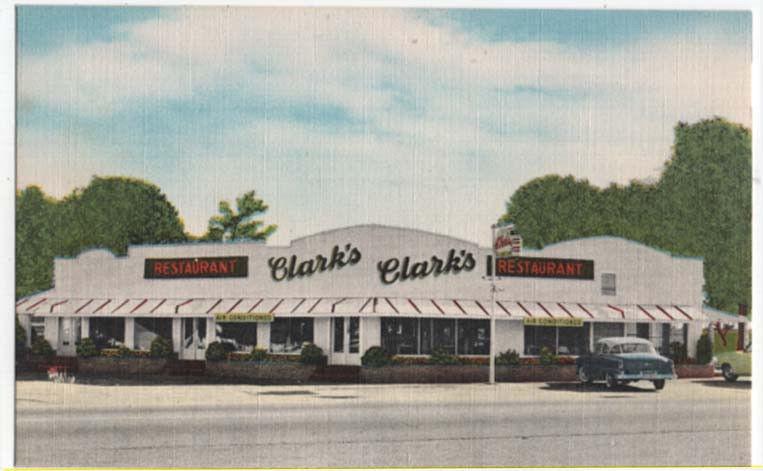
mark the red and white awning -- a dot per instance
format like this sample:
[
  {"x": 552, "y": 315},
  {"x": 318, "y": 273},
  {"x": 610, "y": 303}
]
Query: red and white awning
[{"x": 42, "y": 305}]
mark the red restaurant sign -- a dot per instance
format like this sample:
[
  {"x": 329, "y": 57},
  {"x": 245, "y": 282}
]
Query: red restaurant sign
[
  {"x": 202, "y": 267},
  {"x": 544, "y": 267}
]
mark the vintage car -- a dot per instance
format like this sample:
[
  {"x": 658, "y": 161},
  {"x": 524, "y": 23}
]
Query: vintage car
[
  {"x": 735, "y": 364},
  {"x": 622, "y": 360}
]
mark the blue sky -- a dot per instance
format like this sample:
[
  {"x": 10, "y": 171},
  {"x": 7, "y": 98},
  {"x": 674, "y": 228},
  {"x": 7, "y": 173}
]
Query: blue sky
[{"x": 419, "y": 118}]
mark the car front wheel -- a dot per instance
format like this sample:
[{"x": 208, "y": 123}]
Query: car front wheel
[
  {"x": 728, "y": 373},
  {"x": 584, "y": 376},
  {"x": 611, "y": 381},
  {"x": 659, "y": 384}
]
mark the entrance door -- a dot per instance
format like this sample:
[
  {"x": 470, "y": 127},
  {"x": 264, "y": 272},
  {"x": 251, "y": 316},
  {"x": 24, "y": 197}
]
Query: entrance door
[
  {"x": 69, "y": 330},
  {"x": 194, "y": 333},
  {"x": 345, "y": 341}
]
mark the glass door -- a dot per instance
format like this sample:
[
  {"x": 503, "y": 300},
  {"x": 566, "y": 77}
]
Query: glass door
[
  {"x": 345, "y": 341},
  {"x": 194, "y": 333}
]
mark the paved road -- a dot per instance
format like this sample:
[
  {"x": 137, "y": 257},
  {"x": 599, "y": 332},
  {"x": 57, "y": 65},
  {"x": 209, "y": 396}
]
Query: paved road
[{"x": 691, "y": 422}]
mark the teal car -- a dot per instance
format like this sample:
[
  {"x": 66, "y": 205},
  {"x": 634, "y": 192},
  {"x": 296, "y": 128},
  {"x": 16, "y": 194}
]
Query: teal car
[
  {"x": 735, "y": 364},
  {"x": 623, "y": 360}
]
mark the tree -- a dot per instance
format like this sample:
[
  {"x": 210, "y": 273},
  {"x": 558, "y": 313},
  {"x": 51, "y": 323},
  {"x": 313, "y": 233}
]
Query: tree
[
  {"x": 239, "y": 225},
  {"x": 35, "y": 240},
  {"x": 115, "y": 212},
  {"x": 701, "y": 206},
  {"x": 111, "y": 212}
]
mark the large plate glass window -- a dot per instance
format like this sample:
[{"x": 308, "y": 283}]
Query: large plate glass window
[
  {"x": 400, "y": 335},
  {"x": 607, "y": 329},
  {"x": 288, "y": 334},
  {"x": 107, "y": 332},
  {"x": 242, "y": 335},
  {"x": 473, "y": 337},
  {"x": 149, "y": 328}
]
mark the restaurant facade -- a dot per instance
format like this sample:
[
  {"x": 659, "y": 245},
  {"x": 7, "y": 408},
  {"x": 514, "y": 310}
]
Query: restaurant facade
[{"x": 409, "y": 291}]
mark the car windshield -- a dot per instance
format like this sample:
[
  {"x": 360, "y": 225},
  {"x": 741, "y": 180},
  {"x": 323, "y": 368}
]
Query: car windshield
[{"x": 636, "y": 348}]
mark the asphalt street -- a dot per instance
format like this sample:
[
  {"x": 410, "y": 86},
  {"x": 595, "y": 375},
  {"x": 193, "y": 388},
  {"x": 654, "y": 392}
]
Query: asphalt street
[{"x": 691, "y": 422}]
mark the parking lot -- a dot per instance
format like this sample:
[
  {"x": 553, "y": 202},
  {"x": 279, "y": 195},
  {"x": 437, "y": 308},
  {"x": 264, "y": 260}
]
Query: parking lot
[{"x": 691, "y": 422}]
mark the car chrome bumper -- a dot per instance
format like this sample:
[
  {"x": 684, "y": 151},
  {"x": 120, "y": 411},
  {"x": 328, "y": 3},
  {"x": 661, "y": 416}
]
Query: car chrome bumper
[{"x": 645, "y": 377}]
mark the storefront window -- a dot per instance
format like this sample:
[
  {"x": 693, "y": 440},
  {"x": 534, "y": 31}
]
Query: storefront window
[
  {"x": 438, "y": 334},
  {"x": 107, "y": 332},
  {"x": 399, "y": 335},
  {"x": 242, "y": 335},
  {"x": 537, "y": 337},
  {"x": 148, "y": 328},
  {"x": 607, "y": 329},
  {"x": 573, "y": 340},
  {"x": 287, "y": 334},
  {"x": 473, "y": 337}
]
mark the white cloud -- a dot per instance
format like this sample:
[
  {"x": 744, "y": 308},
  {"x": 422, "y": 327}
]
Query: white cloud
[{"x": 615, "y": 125}]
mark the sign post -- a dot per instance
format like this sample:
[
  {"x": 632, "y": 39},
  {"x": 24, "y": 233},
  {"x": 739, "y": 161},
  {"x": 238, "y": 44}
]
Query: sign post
[{"x": 492, "y": 311}]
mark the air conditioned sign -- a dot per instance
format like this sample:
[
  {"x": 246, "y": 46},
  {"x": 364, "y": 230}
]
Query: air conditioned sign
[
  {"x": 201, "y": 267},
  {"x": 556, "y": 322},
  {"x": 243, "y": 317},
  {"x": 568, "y": 268}
]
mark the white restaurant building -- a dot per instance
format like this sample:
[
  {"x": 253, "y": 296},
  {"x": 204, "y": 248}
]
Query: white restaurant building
[{"x": 349, "y": 289}]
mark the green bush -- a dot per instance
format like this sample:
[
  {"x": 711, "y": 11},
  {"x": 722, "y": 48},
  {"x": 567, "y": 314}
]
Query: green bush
[
  {"x": 258, "y": 354},
  {"x": 20, "y": 339},
  {"x": 375, "y": 357},
  {"x": 86, "y": 348},
  {"x": 312, "y": 354},
  {"x": 678, "y": 352},
  {"x": 217, "y": 351},
  {"x": 41, "y": 347},
  {"x": 547, "y": 357},
  {"x": 440, "y": 356},
  {"x": 704, "y": 349},
  {"x": 509, "y": 357},
  {"x": 161, "y": 347},
  {"x": 124, "y": 352}
]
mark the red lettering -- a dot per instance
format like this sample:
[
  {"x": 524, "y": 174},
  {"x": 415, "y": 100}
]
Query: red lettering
[
  {"x": 204, "y": 266},
  {"x": 213, "y": 267},
  {"x": 222, "y": 266},
  {"x": 579, "y": 267},
  {"x": 158, "y": 268}
]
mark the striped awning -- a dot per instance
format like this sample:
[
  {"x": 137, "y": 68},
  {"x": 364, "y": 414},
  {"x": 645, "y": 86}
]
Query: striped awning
[{"x": 42, "y": 305}]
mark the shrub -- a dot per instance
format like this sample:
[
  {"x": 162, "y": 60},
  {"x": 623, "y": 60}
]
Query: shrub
[
  {"x": 509, "y": 357},
  {"x": 375, "y": 357},
  {"x": 441, "y": 357},
  {"x": 678, "y": 353},
  {"x": 42, "y": 347},
  {"x": 312, "y": 355},
  {"x": 161, "y": 348},
  {"x": 258, "y": 354},
  {"x": 547, "y": 357},
  {"x": 704, "y": 349},
  {"x": 217, "y": 351},
  {"x": 86, "y": 348},
  {"x": 124, "y": 352},
  {"x": 20, "y": 339}
]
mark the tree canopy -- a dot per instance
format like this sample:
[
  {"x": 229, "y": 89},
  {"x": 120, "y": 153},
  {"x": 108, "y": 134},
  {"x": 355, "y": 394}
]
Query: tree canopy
[
  {"x": 701, "y": 206},
  {"x": 111, "y": 213},
  {"x": 240, "y": 224}
]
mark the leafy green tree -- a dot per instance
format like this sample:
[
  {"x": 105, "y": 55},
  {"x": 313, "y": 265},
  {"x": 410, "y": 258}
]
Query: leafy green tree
[
  {"x": 701, "y": 206},
  {"x": 115, "y": 212},
  {"x": 111, "y": 212},
  {"x": 240, "y": 225},
  {"x": 35, "y": 240}
]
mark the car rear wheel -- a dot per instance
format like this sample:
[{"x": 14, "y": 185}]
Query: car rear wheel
[
  {"x": 584, "y": 376},
  {"x": 728, "y": 373},
  {"x": 611, "y": 381},
  {"x": 659, "y": 384}
]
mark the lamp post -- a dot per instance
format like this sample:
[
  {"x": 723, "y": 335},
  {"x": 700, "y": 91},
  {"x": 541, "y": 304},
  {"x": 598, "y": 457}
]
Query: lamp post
[{"x": 492, "y": 307}]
